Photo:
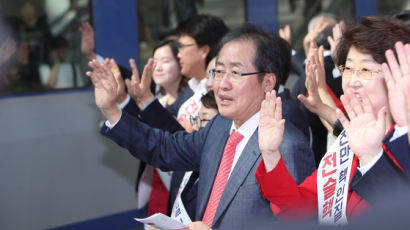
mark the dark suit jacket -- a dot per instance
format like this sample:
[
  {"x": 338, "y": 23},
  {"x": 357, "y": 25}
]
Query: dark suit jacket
[
  {"x": 399, "y": 148},
  {"x": 157, "y": 116},
  {"x": 241, "y": 202},
  {"x": 292, "y": 113},
  {"x": 383, "y": 182}
]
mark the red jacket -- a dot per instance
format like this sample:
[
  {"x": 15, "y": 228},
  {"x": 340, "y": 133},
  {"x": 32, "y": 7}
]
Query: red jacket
[{"x": 292, "y": 202}]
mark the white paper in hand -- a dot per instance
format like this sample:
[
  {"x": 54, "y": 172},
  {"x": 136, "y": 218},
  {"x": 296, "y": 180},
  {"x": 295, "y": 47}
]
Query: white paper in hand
[{"x": 162, "y": 221}]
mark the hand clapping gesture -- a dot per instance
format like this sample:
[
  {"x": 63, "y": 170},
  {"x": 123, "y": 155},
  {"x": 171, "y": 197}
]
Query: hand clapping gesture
[
  {"x": 105, "y": 89},
  {"x": 270, "y": 131},
  {"x": 113, "y": 67},
  {"x": 365, "y": 131}
]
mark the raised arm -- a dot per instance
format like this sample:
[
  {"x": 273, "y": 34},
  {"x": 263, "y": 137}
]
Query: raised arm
[
  {"x": 178, "y": 151},
  {"x": 87, "y": 41},
  {"x": 270, "y": 131},
  {"x": 319, "y": 100},
  {"x": 288, "y": 200},
  {"x": 397, "y": 75}
]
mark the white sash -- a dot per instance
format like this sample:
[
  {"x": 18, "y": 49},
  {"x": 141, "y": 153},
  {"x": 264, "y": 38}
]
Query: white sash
[
  {"x": 191, "y": 106},
  {"x": 178, "y": 210},
  {"x": 333, "y": 182}
]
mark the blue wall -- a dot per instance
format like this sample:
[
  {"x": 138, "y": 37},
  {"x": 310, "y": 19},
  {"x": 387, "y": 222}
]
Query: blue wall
[
  {"x": 365, "y": 8},
  {"x": 263, "y": 13},
  {"x": 116, "y": 29}
]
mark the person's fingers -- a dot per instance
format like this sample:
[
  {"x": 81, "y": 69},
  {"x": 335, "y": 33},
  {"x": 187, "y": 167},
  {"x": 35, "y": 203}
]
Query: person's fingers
[
  {"x": 278, "y": 109},
  {"x": 304, "y": 100},
  {"x": 88, "y": 27},
  {"x": 281, "y": 33},
  {"x": 322, "y": 27},
  {"x": 318, "y": 23},
  {"x": 106, "y": 61},
  {"x": 313, "y": 70},
  {"x": 135, "y": 74},
  {"x": 320, "y": 78},
  {"x": 403, "y": 59},
  {"x": 331, "y": 41},
  {"x": 309, "y": 104},
  {"x": 128, "y": 84},
  {"x": 367, "y": 104},
  {"x": 321, "y": 59},
  {"x": 147, "y": 74},
  {"x": 108, "y": 87},
  {"x": 311, "y": 83},
  {"x": 381, "y": 118},
  {"x": 108, "y": 73},
  {"x": 115, "y": 65},
  {"x": 95, "y": 66},
  {"x": 313, "y": 44},
  {"x": 388, "y": 76},
  {"x": 407, "y": 53},
  {"x": 394, "y": 66},
  {"x": 346, "y": 104},
  {"x": 354, "y": 102},
  {"x": 271, "y": 104},
  {"x": 287, "y": 29}
]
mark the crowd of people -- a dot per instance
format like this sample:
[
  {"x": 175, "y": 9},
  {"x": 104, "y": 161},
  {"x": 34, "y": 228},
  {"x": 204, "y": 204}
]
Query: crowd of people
[{"x": 225, "y": 144}]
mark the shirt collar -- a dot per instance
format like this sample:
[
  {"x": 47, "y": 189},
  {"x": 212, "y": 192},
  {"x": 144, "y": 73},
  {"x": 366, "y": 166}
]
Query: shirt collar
[
  {"x": 281, "y": 89},
  {"x": 196, "y": 85},
  {"x": 247, "y": 128},
  {"x": 326, "y": 53}
]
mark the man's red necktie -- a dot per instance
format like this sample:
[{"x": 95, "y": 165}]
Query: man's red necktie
[{"x": 221, "y": 177}]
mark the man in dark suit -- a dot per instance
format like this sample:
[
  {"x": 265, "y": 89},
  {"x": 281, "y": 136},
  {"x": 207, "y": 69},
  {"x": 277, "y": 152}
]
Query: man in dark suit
[{"x": 250, "y": 62}]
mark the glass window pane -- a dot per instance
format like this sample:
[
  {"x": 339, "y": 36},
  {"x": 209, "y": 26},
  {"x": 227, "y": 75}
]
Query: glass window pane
[{"x": 47, "y": 45}]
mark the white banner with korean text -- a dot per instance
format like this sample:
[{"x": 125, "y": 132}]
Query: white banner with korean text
[
  {"x": 333, "y": 182},
  {"x": 178, "y": 210}
]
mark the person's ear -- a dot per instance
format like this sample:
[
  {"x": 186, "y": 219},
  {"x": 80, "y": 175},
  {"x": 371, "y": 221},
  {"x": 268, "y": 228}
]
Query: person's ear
[
  {"x": 205, "y": 50},
  {"x": 269, "y": 81}
]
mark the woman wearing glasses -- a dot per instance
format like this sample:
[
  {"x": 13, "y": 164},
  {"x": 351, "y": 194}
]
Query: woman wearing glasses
[
  {"x": 207, "y": 111},
  {"x": 359, "y": 170}
]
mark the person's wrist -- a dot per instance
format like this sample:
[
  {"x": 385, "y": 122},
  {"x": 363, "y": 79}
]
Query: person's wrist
[
  {"x": 146, "y": 99},
  {"x": 112, "y": 114},
  {"x": 322, "y": 88},
  {"x": 271, "y": 159},
  {"x": 121, "y": 98},
  {"x": 367, "y": 157},
  {"x": 91, "y": 56}
]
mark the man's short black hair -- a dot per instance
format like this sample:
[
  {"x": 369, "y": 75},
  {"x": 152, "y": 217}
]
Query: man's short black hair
[
  {"x": 272, "y": 53},
  {"x": 205, "y": 29}
]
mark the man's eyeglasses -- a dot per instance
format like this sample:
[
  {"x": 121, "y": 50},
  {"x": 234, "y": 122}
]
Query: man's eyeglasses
[
  {"x": 197, "y": 122},
  {"x": 217, "y": 74},
  {"x": 181, "y": 46},
  {"x": 348, "y": 72}
]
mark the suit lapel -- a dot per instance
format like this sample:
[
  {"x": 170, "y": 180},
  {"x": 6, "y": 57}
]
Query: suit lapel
[
  {"x": 213, "y": 157},
  {"x": 241, "y": 171}
]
